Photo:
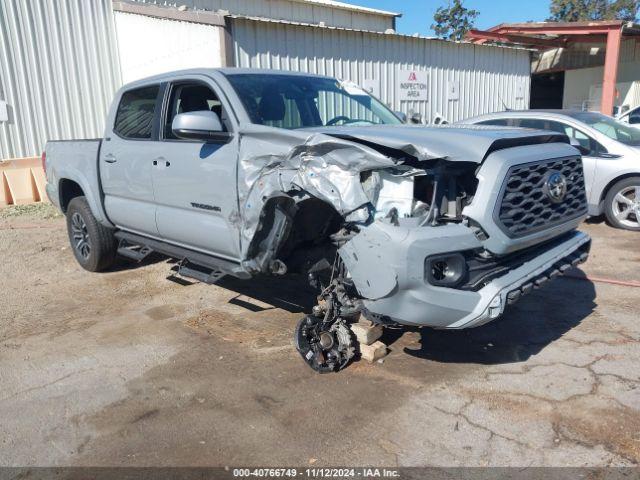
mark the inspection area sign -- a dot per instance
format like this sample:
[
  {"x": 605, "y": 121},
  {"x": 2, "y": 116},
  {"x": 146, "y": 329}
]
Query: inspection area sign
[{"x": 413, "y": 85}]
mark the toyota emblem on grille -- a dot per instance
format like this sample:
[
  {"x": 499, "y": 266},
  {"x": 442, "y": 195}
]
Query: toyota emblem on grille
[{"x": 556, "y": 187}]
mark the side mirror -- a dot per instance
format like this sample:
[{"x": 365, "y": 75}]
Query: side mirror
[
  {"x": 438, "y": 120},
  {"x": 575, "y": 143},
  {"x": 415, "y": 118},
  {"x": 402, "y": 116},
  {"x": 202, "y": 125}
]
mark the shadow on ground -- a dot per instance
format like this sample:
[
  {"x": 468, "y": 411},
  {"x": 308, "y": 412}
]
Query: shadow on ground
[
  {"x": 600, "y": 219},
  {"x": 525, "y": 329},
  {"x": 291, "y": 293},
  {"x": 123, "y": 264}
]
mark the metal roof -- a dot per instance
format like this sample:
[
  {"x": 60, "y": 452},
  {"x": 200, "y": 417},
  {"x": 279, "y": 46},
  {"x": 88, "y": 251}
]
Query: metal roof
[
  {"x": 217, "y": 18},
  {"x": 572, "y": 25},
  {"x": 550, "y": 35},
  {"x": 349, "y": 6},
  {"x": 376, "y": 32},
  {"x": 213, "y": 12}
]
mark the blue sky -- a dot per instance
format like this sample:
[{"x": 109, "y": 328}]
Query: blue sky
[{"x": 417, "y": 15}]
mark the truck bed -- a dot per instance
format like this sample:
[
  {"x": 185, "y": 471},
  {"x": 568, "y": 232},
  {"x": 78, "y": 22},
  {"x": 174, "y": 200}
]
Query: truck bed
[{"x": 76, "y": 161}]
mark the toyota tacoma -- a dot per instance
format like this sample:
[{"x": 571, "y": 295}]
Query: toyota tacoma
[{"x": 252, "y": 172}]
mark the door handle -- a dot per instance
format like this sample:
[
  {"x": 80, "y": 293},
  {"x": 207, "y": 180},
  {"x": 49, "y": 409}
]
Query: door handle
[
  {"x": 110, "y": 158},
  {"x": 161, "y": 160}
]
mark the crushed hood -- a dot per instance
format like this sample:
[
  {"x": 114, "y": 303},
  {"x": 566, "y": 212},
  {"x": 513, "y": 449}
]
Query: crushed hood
[
  {"x": 326, "y": 163},
  {"x": 465, "y": 143}
]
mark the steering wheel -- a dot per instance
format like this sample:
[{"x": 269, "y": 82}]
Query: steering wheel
[{"x": 339, "y": 118}]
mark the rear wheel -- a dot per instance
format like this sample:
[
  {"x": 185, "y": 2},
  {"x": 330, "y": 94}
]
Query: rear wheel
[
  {"x": 93, "y": 244},
  {"x": 622, "y": 204}
]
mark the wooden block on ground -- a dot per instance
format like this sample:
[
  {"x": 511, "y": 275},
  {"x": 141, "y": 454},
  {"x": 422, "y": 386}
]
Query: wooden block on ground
[
  {"x": 5, "y": 194},
  {"x": 373, "y": 352},
  {"x": 40, "y": 182},
  {"x": 366, "y": 333},
  {"x": 20, "y": 185}
]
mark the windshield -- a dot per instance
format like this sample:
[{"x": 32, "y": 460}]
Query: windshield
[
  {"x": 295, "y": 101},
  {"x": 610, "y": 127}
]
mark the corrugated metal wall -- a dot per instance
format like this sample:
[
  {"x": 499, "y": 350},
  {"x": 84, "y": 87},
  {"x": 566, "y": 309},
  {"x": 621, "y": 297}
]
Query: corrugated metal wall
[
  {"x": 58, "y": 71},
  {"x": 169, "y": 45},
  {"x": 293, "y": 10},
  {"x": 489, "y": 78}
]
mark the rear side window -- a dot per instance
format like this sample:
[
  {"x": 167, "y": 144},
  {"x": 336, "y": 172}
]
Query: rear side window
[
  {"x": 533, "y": 123},
  {"x": 134, "y": 118},
  {"x": 496, "y": 121},
  {"x": 591, "y": 146},
  {"x": 634, "y": 117}
]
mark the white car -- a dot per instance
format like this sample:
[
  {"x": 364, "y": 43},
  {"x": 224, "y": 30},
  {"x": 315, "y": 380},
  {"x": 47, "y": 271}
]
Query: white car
[{"x": 610, "y": 152}]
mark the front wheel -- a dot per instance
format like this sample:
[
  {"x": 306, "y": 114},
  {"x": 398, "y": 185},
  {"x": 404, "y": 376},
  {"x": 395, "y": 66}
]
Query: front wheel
[
  {"x": 622, "y": 204},
  {"x": 325, "y": 348},
  {"x": 93, "y": 244}
]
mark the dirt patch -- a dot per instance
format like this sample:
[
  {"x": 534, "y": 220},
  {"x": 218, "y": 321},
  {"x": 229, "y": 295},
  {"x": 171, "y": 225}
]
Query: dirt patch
[
  {"x": 258, "y": 329},
  {"x": 163, "y": 312},
  {"x": 42, "y": 210},
  {"x": 127, "y": 368},
  {"x": 593, "y": 423}
]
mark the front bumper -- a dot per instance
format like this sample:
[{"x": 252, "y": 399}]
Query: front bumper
[{"x": 421, "y": 304}]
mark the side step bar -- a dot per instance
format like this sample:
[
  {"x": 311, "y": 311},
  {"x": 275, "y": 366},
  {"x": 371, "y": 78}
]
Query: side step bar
[
  {"x": 200, "y": 266},
  {"x": 204, "y": 275},
  {"x": 133, "y": 252}
]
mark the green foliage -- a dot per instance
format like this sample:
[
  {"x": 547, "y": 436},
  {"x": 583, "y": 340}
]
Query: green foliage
[
  {"x": 454, "y": 21},
  {"x": 589, "y": 10}
]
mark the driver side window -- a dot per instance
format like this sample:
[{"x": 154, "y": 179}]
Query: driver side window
[{"x": 191, "y": 97}]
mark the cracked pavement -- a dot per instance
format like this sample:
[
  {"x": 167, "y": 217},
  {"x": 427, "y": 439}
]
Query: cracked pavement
[{"x": 129, "y": 368}]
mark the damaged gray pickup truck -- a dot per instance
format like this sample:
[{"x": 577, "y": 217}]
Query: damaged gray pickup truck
[{"x": 253, "y": 172}]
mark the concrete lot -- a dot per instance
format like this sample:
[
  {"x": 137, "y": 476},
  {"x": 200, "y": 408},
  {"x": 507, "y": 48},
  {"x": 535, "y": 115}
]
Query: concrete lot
[{"x": 129, "y": 368}]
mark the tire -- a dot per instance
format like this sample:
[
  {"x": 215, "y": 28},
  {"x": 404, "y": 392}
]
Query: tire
[
  {"x": 622, "y": 204},
  {"x": 93, "y": 244}
]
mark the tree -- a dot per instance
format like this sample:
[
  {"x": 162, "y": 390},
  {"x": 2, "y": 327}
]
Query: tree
[
  {"x": 454, "y": 21},
  {"x": 589, "y": 10},
  {"x": 626, "y": 10}
]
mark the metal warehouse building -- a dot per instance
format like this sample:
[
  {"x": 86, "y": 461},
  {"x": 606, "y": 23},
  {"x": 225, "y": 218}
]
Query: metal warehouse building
[{"x": 62, "y": 61}]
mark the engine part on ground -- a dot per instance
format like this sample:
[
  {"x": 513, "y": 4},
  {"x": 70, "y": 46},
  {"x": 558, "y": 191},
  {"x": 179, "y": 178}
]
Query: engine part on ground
[
  {"x": 318, "y": 310},
  {"x": 324, "y": 347}
]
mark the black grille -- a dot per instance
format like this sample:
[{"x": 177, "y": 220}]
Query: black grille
[{"x": 525, "y": 206}]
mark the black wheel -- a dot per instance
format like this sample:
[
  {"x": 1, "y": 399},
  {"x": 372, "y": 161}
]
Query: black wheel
[
  {"x": 93, "y": 244},
  {"x": 622, "y": 204}
]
